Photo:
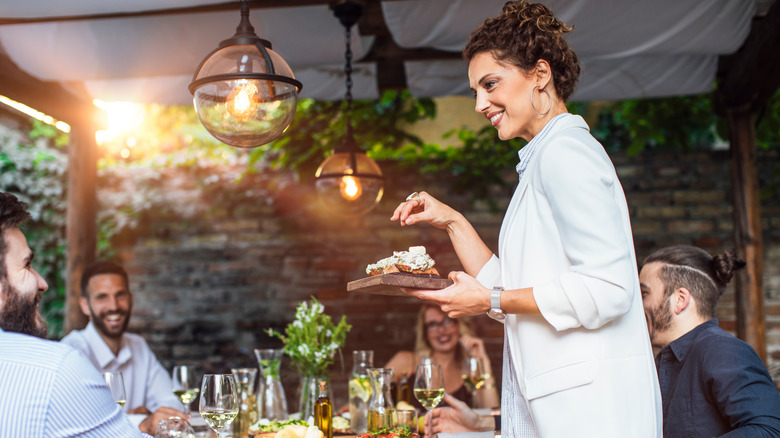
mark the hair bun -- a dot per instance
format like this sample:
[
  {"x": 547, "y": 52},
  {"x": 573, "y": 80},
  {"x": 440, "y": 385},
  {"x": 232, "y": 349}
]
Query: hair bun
[
  {"x": 724, "y": 265},
  {"x": 537, "y": 13}
]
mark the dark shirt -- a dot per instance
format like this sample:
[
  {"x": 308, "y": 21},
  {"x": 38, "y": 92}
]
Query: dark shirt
[{"x": 713, "y": 384}]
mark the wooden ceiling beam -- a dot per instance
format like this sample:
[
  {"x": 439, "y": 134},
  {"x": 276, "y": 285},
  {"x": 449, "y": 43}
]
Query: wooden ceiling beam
[
  {"x": 387, "y": 54},
  {"x": 751, "y": 76},
  {"x": 216, "y": 7},
  {"x": 47, "y": 97}
]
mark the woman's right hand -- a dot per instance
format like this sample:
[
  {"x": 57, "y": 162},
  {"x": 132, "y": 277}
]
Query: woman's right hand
[
  {"x": 423, "y": 207},
  {"x": 474, "y": 346},
  {"x": 456, "y": 418}
]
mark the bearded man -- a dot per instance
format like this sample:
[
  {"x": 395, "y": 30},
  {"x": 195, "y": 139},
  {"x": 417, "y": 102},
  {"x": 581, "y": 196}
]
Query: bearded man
[
  {"x": 712, "y": 384},
  {"x": 107, "y": 300},
  {"x": 47, "y": 389}
]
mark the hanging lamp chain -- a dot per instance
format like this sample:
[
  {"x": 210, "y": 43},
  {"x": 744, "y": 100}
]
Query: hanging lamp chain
[{"x": 348, "y": 68}]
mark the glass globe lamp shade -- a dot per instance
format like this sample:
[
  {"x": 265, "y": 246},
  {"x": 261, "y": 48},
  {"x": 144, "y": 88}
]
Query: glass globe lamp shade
[
  {"x": 349, "y": 183},
  {"x": 240, "y": 100}
]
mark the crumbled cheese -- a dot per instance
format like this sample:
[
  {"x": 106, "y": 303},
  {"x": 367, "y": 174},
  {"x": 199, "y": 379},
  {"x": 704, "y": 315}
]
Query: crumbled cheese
[
  {"x": 417, "y": 249},
  {"x": 415, "y": 260}
]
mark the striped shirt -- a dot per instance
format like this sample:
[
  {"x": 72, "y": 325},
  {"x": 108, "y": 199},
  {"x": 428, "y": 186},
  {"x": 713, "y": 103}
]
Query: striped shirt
[
  {"x": 527, "y": 152},
  {"x": 50, "y": 390}
]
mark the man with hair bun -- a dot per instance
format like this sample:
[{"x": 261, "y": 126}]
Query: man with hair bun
[{"x": 712, "y": 384}]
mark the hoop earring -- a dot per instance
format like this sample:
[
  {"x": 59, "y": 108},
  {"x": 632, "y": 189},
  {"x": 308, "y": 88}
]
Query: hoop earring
[{"x": 549, "y": 99}]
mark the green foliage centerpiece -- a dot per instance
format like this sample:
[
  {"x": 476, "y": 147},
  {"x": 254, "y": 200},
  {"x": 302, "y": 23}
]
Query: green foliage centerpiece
[{"x": 311, "y": 342}]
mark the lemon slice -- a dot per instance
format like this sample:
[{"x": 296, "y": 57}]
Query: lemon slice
[{"x": 360, "y": 387}]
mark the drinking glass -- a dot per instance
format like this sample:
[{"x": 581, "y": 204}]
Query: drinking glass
[
  {"x": 184, "y": 385},
  {"x": 116, "y": 385},
  {"x": 474, "y": 376},
  {"x": 429, "y": 385},
  {"x": 218, "y": 401},
  {"x": 407, "y": 418},
  {"x": 174, "y": 427}
]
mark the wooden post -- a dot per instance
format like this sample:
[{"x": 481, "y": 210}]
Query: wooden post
[
  {"x": 751, "y": 326},
  {"x": 81, "y": 225}
]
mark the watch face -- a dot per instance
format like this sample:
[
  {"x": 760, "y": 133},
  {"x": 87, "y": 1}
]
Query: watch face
[{"x": 498, "y": 316}]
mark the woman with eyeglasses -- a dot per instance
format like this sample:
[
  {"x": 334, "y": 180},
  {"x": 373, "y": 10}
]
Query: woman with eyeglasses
[{"x": 447, "y": 341}]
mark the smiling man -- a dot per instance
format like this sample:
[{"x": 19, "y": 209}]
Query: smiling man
[{"x": 107, "y": 301}]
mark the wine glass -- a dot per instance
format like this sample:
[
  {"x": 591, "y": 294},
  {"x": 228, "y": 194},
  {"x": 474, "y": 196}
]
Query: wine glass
[
  {"x": 218, "y": 401},
  {"x": 429, "y": 385},
  {"x": 473, "y": 376},
  {"x": 184, "y": 386},
  {"x": 116, "y": 385},
  {"x": 174, "y": 427}
]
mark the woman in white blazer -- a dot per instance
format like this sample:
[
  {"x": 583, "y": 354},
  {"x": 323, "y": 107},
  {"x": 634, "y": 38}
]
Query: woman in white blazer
[{"x": 577, "y": 357}]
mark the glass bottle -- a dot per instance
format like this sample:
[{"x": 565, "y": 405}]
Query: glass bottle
[
  {"x": 404, "y": 390},
  {"x": 247, "y": 408},
  {"x": 381, "y": 412},
  {"x": 272, "y": 403},
  {"x": 323, "y": 410},
  {"x": 360, "y": 390}
]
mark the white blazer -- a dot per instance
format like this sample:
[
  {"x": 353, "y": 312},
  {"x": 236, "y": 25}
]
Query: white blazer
[{"x": 585, "y": 366}]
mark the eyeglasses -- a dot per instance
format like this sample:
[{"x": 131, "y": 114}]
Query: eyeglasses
[{"x": 446, "y": 323}]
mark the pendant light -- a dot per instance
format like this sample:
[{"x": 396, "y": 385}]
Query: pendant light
[
  {"x": 245, "y": 94},
  {"x": 349, "y": 183}
]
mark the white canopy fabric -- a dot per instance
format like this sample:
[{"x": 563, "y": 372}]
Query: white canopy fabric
[{"x": 627, "y": 48}]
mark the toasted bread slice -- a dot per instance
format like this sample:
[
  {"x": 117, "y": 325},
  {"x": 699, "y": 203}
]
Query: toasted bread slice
[{"x": 392, "y": 269}]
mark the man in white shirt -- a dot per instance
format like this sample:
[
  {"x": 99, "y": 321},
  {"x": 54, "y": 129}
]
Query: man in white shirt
[{"x": 107, "y": 300}]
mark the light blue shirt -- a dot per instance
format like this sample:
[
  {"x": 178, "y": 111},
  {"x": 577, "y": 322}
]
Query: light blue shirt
[
  {"x": 48, "y": 389},
  {"x": 147, "y": 383}
]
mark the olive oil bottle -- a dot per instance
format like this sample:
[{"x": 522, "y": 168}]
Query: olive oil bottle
[{"x": 323, "y": 410}]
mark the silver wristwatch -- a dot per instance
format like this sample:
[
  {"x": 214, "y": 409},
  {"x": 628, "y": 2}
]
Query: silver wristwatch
[{"x": 495, "y": 304}]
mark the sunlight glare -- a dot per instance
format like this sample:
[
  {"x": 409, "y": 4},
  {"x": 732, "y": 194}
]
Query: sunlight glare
[
  {"x": 22, "y": 108},
  {"x": 122, "y": 117}
]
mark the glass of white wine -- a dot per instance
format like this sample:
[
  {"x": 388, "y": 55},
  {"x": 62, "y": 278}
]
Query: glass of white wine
[
  {"x": 218, "y": 401},
  {"x": 116, "y": 385},
  {"x": 184, "y": 386},
  {"x": 429, "y": 385},
  {"x": 474, "y": 376}
]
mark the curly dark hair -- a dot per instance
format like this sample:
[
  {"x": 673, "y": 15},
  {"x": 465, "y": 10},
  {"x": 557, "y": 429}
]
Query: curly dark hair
[
  {"x": 523, "y": 34},
  {"x": 12, "y": 214},
  {"x": 693, "y": 268},
  {"x": 100, "y": 268}
]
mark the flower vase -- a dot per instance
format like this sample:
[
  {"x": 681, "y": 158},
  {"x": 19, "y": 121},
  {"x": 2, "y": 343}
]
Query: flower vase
[{"x": 308, "y": 395}]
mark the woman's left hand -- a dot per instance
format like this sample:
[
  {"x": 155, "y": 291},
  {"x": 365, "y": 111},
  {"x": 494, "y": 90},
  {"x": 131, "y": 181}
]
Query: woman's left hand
[{"x": 465, "y": 297}]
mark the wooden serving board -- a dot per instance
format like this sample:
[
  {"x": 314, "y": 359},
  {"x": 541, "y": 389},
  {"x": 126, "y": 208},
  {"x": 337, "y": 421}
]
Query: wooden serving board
[{"x": 391, "y": 284}]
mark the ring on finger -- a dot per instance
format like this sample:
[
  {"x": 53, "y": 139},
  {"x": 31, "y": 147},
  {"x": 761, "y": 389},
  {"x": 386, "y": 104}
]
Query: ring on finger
[{"x": 414, "y": 195}]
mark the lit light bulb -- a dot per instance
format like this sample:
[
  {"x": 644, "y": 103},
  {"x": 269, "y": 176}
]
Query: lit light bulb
[
  {"x": 350, "y": 187},
  {"x": 241, "y": 102}
]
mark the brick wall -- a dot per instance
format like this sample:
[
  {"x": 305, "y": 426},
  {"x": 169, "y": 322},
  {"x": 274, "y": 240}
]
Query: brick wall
[{"x": 207, "y": 285}]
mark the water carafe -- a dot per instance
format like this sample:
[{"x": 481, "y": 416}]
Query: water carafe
[
  {"x": 360, "y": 390},
  {"x": 381, "y": 412},
  {"x": 247, "y": 408},
  {"x": 271, "y": 401}
]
